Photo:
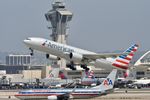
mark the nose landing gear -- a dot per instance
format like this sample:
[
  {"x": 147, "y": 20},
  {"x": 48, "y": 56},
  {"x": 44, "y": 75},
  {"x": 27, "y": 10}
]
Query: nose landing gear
[{"x": 31, "y": 51}]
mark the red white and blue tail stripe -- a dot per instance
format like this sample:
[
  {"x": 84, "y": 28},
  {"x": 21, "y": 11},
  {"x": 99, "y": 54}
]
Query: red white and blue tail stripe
[
  {"x": 123, "y": 61},
  {"x": 89, "y": 74}
]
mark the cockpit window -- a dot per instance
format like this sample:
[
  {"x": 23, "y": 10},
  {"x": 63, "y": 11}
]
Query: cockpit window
[{"x": 28, "y": 39}]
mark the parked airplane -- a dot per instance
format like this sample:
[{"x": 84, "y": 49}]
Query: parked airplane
[
  {"x": 141, "y": 81},
  {"x": 56, "y": 51},
  {"x": 66, "y": 93},
  {"x": 89, "y": 78}
]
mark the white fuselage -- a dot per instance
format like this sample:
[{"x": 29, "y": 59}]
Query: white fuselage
[
  {"x": 142, "y": 81},
  {"x": 62, "y": 50},
  {"x": 44, "y": 93},
  {"x": 104, "y": 88}
]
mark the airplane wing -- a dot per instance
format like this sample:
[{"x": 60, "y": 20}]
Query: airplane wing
[
  {"x": 99, "y": 56},
  {"x": 67, "y": 95},
  {"x": 148, "y": 65}
]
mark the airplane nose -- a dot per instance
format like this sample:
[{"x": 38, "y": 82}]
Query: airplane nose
[{"x": 27, "y": 41}]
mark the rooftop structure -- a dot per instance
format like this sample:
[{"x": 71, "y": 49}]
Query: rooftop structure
[
  {"x": 18, "y": 60},
  {"x": 144, "y": 60}
]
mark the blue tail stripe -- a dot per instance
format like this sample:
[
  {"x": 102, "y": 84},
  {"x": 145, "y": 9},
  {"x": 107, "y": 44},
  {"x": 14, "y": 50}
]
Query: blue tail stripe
[
  {"x": 131, "y": 48},
  {"x": 128, "y": 51},
  {"x": 123, "y": 56},
  {"x": 136, "y": 45}
]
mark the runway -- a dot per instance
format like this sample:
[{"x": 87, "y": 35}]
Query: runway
[
  {"x": 126, "y": 94},
  {"x": 120, "y": 94}
]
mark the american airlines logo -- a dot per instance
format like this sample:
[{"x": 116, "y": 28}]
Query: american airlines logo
[
  {"x": 107, "y": 82},
  {"x": 57, "y": 47}
]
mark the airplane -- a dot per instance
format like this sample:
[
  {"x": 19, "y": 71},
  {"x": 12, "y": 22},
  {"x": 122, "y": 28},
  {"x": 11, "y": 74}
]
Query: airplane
[
  {"x": 75, "y": 55},
  {"x": 142, "y": 64},
  {"x": 141, "y": 81},
  {"x": 89, "y": 79},
  {"x": 68, "y": 93}
]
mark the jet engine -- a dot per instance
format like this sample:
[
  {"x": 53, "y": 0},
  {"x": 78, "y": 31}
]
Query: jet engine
[
  {"x": 52, "y": 97},
  {"x": 76, "y": 57},
  {"x": 52, "y": 57},
  {"x": 61, "y": 97}
]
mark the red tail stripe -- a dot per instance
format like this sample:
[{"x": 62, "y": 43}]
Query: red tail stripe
[
  {"x": 120, "y": 66},
  {"x": 131, "y": 54},
  {"x": 122, "y": 61},
  {"x": 134, "y": 50},
  {"x": 127, "y": 58}
]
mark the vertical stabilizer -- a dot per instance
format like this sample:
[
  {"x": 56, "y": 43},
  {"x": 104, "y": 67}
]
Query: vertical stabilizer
[
  {"x": 123, "y": 61},
  {"x": 108, "y": 82},
  {"x": 88, "y": 74}
]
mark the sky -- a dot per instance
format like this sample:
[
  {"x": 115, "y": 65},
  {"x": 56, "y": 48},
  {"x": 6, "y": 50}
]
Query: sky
[{"x": 97, "y": 25}]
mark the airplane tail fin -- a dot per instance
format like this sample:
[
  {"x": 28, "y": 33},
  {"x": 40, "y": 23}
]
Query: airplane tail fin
[
  {"x": 89, "y": 74},
  {"x": 108, "y": 82},
  {"x": 123, "y": 61},
  {"x": 62, "y": 75},
  {"x": 88, "y": 78},
  {"x": 126, "y": 73}
]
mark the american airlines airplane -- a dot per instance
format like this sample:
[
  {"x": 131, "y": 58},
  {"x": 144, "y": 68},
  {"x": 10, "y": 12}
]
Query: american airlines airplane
[
  {"x": 89, "y": 79},
  {"x": 68, "y": 93},
  {"x": 75, "y": 55}
]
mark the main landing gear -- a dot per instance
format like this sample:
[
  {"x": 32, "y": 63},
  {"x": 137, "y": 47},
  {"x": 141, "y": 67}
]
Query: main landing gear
[
  {"x": 84, "y": 66},
  {"x": 71, "y": 65}
]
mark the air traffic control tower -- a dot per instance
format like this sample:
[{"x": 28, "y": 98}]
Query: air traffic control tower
[{"x": 59, "y": 17}]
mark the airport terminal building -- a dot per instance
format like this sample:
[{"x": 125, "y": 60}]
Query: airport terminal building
[{"x": 21, "y": 65}]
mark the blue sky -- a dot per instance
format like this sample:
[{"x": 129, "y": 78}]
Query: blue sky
[{"x": 97, "y": 25}]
